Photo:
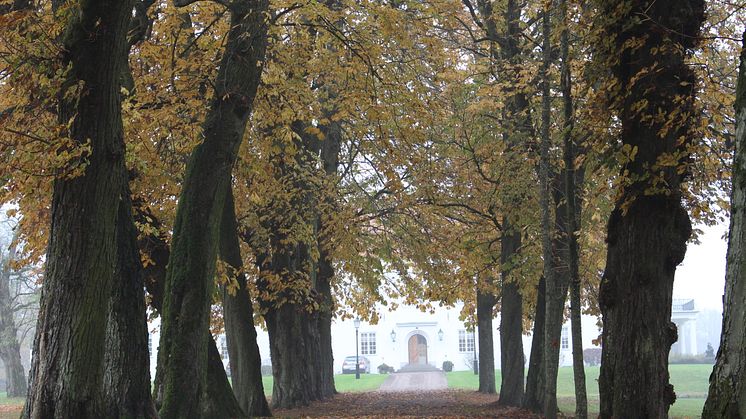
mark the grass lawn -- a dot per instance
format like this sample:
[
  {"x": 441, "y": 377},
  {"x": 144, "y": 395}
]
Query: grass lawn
[
  {"x": 690, "y": 383},
  {"x": 344, "y": 382}
]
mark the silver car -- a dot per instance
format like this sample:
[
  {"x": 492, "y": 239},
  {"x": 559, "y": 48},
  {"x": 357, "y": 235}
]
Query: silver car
[{"x": 348, "y": 366}]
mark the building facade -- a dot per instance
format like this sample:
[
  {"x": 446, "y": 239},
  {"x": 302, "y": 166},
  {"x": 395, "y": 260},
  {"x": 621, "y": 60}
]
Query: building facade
[{"x": 410, "y": 336}]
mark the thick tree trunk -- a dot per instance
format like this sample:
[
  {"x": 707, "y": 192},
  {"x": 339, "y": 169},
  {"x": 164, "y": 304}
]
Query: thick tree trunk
[
  {"x": 238, "y": 315},
  {"x": 330, "y": 149},
  {"x": 485, "y": 305},
  {"x": 535, "y": 379},
  {"x": 648, "y": 228},
  {"x": 727, "y": 395},
  {"x": 573, "y": 219},
  {"x": 127, "y": 361},
  {"x": 67, "y": 373},
  {"x": 511, "y": 324},
  {"x": 289, "y": 328},
  {"x": 182, "y": 356},
  {"x": 10, "y": 349}
]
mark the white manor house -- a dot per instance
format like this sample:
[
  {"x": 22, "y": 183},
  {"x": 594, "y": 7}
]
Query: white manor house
[{"x": 410, "y": 336}]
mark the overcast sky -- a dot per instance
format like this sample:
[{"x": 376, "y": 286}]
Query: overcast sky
[{"x": 702, "y": 274}]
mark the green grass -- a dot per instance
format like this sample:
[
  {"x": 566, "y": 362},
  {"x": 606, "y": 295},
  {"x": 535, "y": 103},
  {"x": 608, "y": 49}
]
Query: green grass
[
  {"x": 345, "y": 383},
  {"x": 690, "y": 382}
]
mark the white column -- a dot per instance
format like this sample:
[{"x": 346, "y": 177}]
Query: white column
[{"x": 693, "y": 337}]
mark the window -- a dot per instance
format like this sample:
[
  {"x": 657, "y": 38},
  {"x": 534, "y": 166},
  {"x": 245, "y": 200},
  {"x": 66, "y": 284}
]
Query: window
[
  {"x": 368, "y": 343},
  {"x": 565, "y": 339},
  {"x": 465, "y": 341},
  {"x": 150, "y": 345},
  {"x": 223, "y": 349}
]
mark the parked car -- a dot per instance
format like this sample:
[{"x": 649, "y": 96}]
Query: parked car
[{"x": 348, "y": 366}]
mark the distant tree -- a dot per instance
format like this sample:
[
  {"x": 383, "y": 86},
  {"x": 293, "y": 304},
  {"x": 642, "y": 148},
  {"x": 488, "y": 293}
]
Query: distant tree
[{"x": 19, "y": 298}]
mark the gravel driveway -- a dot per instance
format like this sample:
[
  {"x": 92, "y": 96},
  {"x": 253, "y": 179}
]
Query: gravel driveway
[{"x": 415, "y": 381}]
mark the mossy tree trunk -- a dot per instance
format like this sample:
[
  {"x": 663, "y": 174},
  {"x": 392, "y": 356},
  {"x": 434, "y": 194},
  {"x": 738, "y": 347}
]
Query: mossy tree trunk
[
  {"x": 238, "y": 315},
  {"x": 727, "y": 395},
  {"x": 67, "y": 374},
  {"x": 182, "y": 378},
  {"x": 649, "y": 227}
]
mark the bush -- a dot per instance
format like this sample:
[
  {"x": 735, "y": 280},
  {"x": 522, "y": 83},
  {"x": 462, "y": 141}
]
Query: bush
[
  {"x": 592, "y": 356},
  {"x": 690, "y": 359},
  {"x": 447, "y": 366},
  {"x": 385, "y": 369},
  {"x": 266, "y": 369}
]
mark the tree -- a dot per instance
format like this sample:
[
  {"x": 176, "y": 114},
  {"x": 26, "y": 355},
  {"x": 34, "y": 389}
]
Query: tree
[
  {"x": 726, "y": 395},
  {"x": 238, "y": 315},
  {"x": 182, "y": 379},
  {"x": 67, "y": 374},
  {"x": 12, "y": 287},
  {"x": 652, "y": 91}
]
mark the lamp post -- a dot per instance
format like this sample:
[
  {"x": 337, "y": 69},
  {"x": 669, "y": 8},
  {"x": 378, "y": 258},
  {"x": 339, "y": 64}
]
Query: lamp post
[{"x": 357, "y": 356}]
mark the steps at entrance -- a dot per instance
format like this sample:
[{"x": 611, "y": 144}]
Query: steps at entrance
[{"x": 417, "y": 368}]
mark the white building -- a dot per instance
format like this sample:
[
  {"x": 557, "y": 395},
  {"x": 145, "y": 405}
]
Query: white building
[{"x": 410, "y": 336}]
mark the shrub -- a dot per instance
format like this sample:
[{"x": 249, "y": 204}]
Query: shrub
[
  {"x": 266, "y": 369},
  {"x": 592, "y": 356},
  {"x": 385, "y": 369},
  {"x": 447, "y": 366}
]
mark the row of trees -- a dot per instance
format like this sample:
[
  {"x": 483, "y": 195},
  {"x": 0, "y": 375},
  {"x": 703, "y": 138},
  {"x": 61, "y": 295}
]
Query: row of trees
[{"x": 252, "y": 162}]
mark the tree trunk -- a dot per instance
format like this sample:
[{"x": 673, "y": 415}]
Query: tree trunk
[
  {"x": 511, "y": 324},
  {"x": 155, "y": 246},
  {"x": 649, "y": 227},
  {"x": 68, "y": 364},
  {"x": 485, "y": 305},
  {"x": 535, "y": 379},
  {"x": 330, "y": 148},
  {"x": 182, "y": 356},
  {"x": 727, "y": 395},
  {"x": 238, "y": 315},
  {"x": 220, "y": 400},
  {"x": 288, "y": 327},
  {"x": 556, "y": 296},
  {"x": 573, "y": 219},
  {"x": 555, "y": 291},
  {"x": 127, "y": 361},
  {"x": 10, "y": 349}
]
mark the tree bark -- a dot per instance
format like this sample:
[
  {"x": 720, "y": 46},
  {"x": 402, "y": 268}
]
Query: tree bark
[
  {"x": 329, "y": 148},
  {"x": 649, "y": 227},
  {"x": 10, "y": 349},
  {"x": 485, "y": 306},
  {"x": 511, "y": 324},
  {"x": 555, "y": 290},
  {"x": 183, "y": 352},
  {"x": 238, "y": 315},
  {"x": 155, "y": 246},
  {"x": 573, "y": 219},
  {"x": 727, "y": 395},
  {"x": 67, "y": 373},
  {"x": 535, "y": 379},
  {"x": 127, "y": 361}
]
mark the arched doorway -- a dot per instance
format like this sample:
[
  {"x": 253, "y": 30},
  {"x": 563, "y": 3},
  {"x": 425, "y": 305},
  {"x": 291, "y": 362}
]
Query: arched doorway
[{"x": 417, "y": 350}]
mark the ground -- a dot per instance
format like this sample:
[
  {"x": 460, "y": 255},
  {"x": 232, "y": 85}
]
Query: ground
[
  {"x": 361, "y": 398},
  {"x": 378, "y": 404}
]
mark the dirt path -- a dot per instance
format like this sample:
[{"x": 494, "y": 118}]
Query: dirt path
[
  {"x": 379, "y": 404},
  {"x": 415, "y": 381}
]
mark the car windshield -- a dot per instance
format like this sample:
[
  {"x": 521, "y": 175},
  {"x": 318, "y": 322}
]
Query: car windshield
[{"x": 351, "y": 358}]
